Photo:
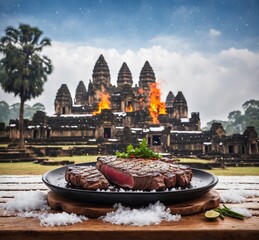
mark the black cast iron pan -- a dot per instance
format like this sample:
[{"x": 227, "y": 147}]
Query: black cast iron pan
[{"x": 201, "y": 183}]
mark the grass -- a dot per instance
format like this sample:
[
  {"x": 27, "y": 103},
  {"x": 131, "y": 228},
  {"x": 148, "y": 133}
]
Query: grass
[
  {"x": 193, "y": 160},
  {"x": 236, "y": 171},
  {"x": 64, "y": 147},
  {"x": 30, "y": 168}
]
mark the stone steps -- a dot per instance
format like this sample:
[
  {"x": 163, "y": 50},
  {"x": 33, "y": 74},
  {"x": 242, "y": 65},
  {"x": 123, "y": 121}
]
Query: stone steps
[{"x": 15, "y": 155}]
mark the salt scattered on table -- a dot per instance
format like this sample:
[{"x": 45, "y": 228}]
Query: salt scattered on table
[
  {"x": 242, "y": 211},
  {"x": 151, "y": 215},
  {"x": 61, "y": 219},
  {"x": 28, "y": 201},
  {"x": 55, "y": 219},
  {"x": 237, "y": 196}
]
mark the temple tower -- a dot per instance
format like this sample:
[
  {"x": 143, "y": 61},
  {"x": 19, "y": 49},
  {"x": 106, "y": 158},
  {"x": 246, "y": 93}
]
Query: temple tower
[
  {"x": 100, "y": 81},
  {"x": 101, "y": 77},
  {"x": 124, "y": 82},
  {"x": 180, "y": 106},
  {"x": 169, "y": 103},
  {"x": 81, "y": 94},
  {"x": 146, "y": 77},
  {"x": 124, "y": 76},
  {"x": 63, "y": 101}
]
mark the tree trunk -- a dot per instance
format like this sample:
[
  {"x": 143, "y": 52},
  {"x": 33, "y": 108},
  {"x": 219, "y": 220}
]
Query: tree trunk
[{"x": 21, "y": 125}]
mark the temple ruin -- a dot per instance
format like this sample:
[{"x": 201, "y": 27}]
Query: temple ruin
[{"x": 108, "y": 117}]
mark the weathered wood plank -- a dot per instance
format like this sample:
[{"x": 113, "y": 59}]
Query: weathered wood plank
[
  {"x": 239, "y": 179},
  {"x": 21, "y": 187},
  {"x": 237, "y": 186},
  {"x": 20, "y": 178},
  {"x": 13, "y": 227},
  {"x": 188, "y": 227}
]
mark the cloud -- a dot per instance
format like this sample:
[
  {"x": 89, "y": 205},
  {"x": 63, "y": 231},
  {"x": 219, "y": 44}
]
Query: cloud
[
  {"x": 213, "y": 84},
  {"x": 214, "y": 32},
  {"x": 172, "y": 43}
]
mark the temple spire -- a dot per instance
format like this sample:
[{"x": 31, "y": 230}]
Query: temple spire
[
  {"x": 180, "y": 106},
  {"x": 63, "y": 101},
  {"x": 81, "y": 94},
  {"x": 147, "y": 76},
  {"x": 101, "y": 72},
  {"x": 124, "y": 76}
]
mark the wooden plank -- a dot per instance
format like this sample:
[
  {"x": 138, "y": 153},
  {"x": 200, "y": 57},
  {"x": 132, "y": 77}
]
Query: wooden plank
[
  {"x": 247, "y": 205},
  {"x": 207, "y": 201},
  {"x": 13, "y": 227},
  {"x": 188, "y": 227},
  {"x": 238, "y": 179},
  {"x": 22, "y": 187},
  {"x": 237, "y": 186},
  {"x": 20, "y": 178}
]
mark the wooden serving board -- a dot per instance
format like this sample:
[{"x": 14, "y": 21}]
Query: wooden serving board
[{"x": 207, "y": 201}]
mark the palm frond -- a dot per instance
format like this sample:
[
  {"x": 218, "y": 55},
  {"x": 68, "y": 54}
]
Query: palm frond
[{"x": 12, "y": 34}]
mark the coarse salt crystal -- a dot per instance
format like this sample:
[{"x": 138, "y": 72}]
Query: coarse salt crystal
[
  {"x": 151, "y": 215},
  {"x": 242, "y": 211},
  {"x": 28, "y": 201},
  {"x": 61, "y": 219},
  {"x": 54, "y": 219},
  {"x": 237, "y": 196}
]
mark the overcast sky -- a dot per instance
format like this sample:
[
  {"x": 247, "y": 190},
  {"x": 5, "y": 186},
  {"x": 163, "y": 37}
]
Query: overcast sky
[{"x": 207, "y": 49}]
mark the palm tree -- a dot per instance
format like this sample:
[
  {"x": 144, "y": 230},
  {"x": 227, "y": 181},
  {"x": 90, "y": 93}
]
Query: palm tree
[{"x": 25, "y": 70}]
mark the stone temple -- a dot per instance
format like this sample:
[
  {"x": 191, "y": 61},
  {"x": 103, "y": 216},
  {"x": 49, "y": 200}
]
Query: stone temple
[
  {"x": 125, "y": 98},
  {"x": 108, "y": 117}
]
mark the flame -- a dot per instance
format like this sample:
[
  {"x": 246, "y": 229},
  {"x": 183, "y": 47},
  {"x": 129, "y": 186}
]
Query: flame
[
  {"x": 141, "y": 91},
  {"x": 104, "y": 103},
  {"x": 156, "y": 106},
  {"x": 129, "y": 108}
]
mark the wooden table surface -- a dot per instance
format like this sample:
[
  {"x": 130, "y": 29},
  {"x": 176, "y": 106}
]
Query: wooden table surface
[{"x": 193, "y": 226}]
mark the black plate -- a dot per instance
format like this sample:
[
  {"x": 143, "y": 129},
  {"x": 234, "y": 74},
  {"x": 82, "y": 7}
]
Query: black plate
[{"x": 201, "y": 183}]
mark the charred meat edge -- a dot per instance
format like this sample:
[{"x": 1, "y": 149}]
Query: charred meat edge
[
  {"x": 86, "y": 177},
  {"x": 143, "y": 174}
]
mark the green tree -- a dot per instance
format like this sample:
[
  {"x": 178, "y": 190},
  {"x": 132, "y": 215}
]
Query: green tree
[
  {"x": 25, "y": 69},
  {"x": 251, "y": 116},
  {"x": 238, "y": 122},
  {"x": 28, "y": 111},
  {"x": 5, "y": 112},
  {"x": 38, "y": 107},
  {"x": 235, "y": 122},
  {"x": 224, "y": 124},
  {"x": 14, "y": 111}
]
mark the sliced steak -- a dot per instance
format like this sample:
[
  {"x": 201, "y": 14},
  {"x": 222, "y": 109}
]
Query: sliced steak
[
  {"x": 143, "y": 174},
  {"x": 86, "y": 177}
]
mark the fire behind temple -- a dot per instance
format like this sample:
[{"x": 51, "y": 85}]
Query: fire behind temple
[
  {"x": 124, "y": 97},
  {"x": 109, "y": 117}
]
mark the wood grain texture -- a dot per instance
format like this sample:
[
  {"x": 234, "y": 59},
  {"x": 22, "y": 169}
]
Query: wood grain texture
[
  {"x": 207, "y": 201},
  {"x": 193, "y": 226}
]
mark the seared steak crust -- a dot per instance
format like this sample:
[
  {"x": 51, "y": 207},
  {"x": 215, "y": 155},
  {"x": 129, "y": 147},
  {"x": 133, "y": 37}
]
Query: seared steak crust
[
  {"x": 144, "y": 174},
  {"x": 86, "y": 177}
]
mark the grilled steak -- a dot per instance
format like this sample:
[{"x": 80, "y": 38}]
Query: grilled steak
[
  {"x": 86, "y": 177},
  {"x": 144, "y": 174}
]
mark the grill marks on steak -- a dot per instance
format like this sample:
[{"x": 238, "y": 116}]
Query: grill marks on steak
[
  {"x": 86, "y": 177},
  {"x": 144, "y": 174}
]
